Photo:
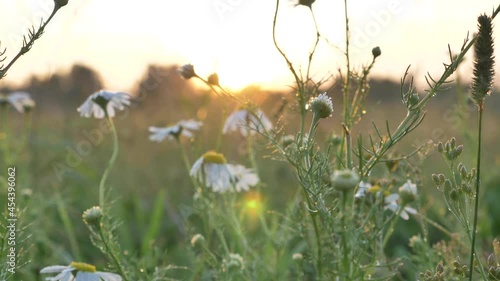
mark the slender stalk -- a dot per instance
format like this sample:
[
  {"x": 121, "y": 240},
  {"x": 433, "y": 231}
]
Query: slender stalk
[
  {"x": 478, "y": 181},
  {"x": 345, "y": 249},
  {"x": 68, "y": 226},
  {"x": 391, "y": 226},
  {"x": 112, "y": 254},
  {"x": 112, "y": 160}
]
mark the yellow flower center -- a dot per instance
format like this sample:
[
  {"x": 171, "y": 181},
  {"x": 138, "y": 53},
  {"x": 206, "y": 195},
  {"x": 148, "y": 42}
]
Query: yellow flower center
[
  {"x": 214, "y": 157},
  {"x": 374, "y": 189},
  {"x": 80, "y": 266}
]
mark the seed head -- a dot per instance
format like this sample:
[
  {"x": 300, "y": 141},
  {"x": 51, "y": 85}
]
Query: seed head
[
  {"x": 484, "y": 60},
  {"x": 187, "y": 71}
]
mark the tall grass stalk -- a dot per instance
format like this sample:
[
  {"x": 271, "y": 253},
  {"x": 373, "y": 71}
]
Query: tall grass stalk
[{"x": 478, "y": 182}]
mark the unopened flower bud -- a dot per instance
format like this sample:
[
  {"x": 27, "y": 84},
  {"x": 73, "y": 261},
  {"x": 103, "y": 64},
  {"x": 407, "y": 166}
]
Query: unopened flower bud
[
  {"x": 440, "y": 147},
  {"x": 187, "y": 71},
  {"x": 60, "y": 3},
  {"x": 213, "y": 79},
  {"x": 376, "y": 52},
  {"x": 93, "y": 216},
  {"x": 437, "y": 181},
  {"x": 298, "y": 257},
  {"x": 345, "y": 180},
  {"x": 198, "y": 241}
]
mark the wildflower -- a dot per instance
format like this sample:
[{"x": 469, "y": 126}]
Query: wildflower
[
  {"x": 247, "y": 122},
  {"x": 321, "y": 105},
  {"x": 345, "y": 180},
  {"x": 212, "y": 170},
  {"x": 213, "y": 79},
  {"x": 484, "y": 60},
  {"x": 83, "y": 272},
  {"x": 298, "y": 257},
  {"x": 391, "y": 203},
  {"x": 307, "y": 3},
  {"x": 103, "y": 104},
  {"x": 408, "y": 192},
  {"x": 376, "y": 52},
  {"x": 287, "y": 140},
  {"x": 243, "y": 178},
  {"x": 234, "y": 262},
  {"x": 21, "y": 101},
  {"x": 183, "y": 127},
  {"x": 93, "y": 216},
  {"x": 363, "y": 188},
  {"x": 60, "y": 3},
  {"x": 187, "y": 71},
  {"x": 197, "y": 241}
]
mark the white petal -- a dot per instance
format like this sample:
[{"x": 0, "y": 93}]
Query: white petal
[
  {"x": 87, "y": 276},
  {"x": 411, "y": 210},
  {"x": 106, "y": 276},
  {"x": 391, "y": 198},
  {"x": 404, "y": 215},
  {"x": 54, "y": 268}
]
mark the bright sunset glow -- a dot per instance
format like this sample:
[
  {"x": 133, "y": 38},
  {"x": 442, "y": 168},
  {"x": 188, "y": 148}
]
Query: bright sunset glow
[{"x": 234, "y": 38}]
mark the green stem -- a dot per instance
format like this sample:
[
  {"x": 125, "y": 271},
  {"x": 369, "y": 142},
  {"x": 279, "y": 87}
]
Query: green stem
[
  {"x": 478, "y": 181},
  {"x": 344, "y": 236},
  {"x": 102, "y": 190},
  {"x": 5, "y": 134},
  {"x": 391, "y": 227},
  {"x": 68, "y": 226},
  {"x": 112, "y": 254}
]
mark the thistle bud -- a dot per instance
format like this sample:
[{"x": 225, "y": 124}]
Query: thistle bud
[{"x": 484, "y": 60}]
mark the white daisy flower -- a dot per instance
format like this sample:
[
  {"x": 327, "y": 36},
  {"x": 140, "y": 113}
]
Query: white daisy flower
[
  {"x": 391, "y": 203},
  {"x": 212, "y": 170},
  {"x": 363, "y": 188},
  {"x": 408, "y": 192},
  {"x": 247, "y": 123},
  {"x": 184, "y": 127},
  {"x": 321, "y": 105},
  {"x": 21, "y": 101},
  {"x": 84, "y": 272},
  {"x": 243, "y": 177},
  {"x": 104, "y": 103}
]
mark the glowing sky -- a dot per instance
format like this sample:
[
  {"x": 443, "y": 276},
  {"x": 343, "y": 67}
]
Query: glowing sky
[{"x": 119, "y": 38}]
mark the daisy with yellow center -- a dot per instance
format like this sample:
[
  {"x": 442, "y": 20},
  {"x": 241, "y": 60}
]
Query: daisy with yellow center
[
  {"x": 84, "y": 272},
  {"x": 213, "y": 171}
]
